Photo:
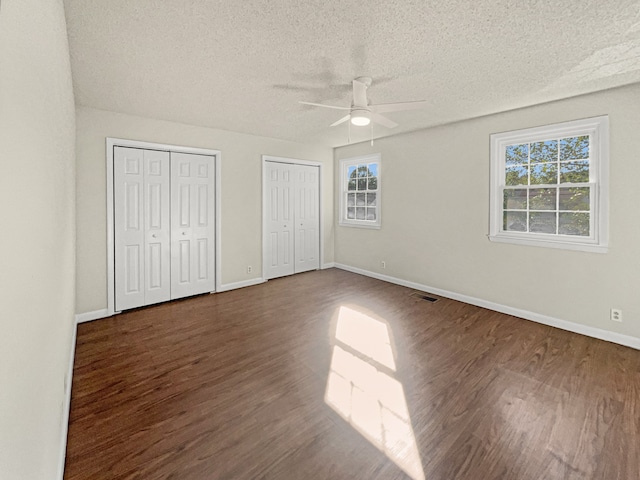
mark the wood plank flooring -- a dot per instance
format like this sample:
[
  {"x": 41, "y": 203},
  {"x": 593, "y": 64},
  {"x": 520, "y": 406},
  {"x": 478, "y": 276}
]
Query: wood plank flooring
[{"x": 332, "y": 375}]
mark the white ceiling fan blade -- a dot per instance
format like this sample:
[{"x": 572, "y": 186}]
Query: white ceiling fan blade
[
  {"x": 359, "y": 94},
  {"x": 342, "y": 120},
  {"x": 397, "y": 107},
  {"x": 325, "y": 106},
  {"x": 384, "y": 121}
]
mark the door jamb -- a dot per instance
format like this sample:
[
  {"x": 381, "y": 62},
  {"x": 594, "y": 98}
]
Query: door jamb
[
  {"x": 292, "y": 161},
  {"x": 120, "y": 142}
]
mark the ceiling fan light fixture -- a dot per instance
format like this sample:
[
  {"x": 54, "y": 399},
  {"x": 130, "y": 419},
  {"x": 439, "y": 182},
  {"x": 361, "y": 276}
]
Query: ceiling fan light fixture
[
  {"x": 360, "y": 118},
  {"x": 362, "y": 113}
]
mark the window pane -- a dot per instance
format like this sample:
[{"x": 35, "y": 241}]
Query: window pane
[
  {"x": 542, "y": 199},
  {"x": 574, "y": 148},
  {"x": 515, "y": 221},
  {"x": 545, "y": 173},
  {"x": 516, "y": 154},
  {"x": 544, "y": 151},
  {"x": 371, "y": 199},
  {"x": 574, "y": 224},
  {"x": 574, "y": 198},
  {"x": 542, "y": 222},
  {"x": 361, "y": 194},
  {"x": 546, "y": 187},
  {"x": 371, "y": 213},
  {"x": 516, "y": 176},
  {"x": 574, "y": 172},
  {"x": 515, "y": 199}
]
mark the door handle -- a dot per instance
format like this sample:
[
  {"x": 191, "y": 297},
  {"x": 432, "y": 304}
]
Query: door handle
[
  {"x": 184, "y": 233},
  {"x": 154, "y": 235}
]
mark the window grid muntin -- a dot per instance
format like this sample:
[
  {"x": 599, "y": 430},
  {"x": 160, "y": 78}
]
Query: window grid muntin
[
  {"x": 354, "y": 174},
  {"x": 598, "y": 129},
  {"x": 350, "y": 165},
  {"x": 556, "y": 186}
]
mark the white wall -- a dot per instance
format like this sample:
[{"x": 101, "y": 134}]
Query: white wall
[
  {"x": 435, "y": 219},
  {"x": 37, "y": 168},
  {"x": 241, "y": 192}
]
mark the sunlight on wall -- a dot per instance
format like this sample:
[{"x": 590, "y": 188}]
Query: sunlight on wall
[{"x": 361, "y": 390}]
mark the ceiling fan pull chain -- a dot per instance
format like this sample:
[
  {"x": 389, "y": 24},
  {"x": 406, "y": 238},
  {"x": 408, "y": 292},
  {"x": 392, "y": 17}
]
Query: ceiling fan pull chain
[
  {"x": 372, "y": 134},
  {"x": 349, "y": 135}
]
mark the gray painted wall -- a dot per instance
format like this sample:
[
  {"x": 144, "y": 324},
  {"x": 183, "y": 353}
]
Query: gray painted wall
[
  {"x": 241, "y": 203},
  {"x": 435, "y": 219},
  {"x": 37, "y": 245}
]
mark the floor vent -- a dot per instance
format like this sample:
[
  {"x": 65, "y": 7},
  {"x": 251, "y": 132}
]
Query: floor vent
[{"x": 423, "y": 296}]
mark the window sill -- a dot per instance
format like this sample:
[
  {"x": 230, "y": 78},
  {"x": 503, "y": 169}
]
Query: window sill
[
  {"x": 537, "y": 242},
  {"x": 359, "y": 225}
]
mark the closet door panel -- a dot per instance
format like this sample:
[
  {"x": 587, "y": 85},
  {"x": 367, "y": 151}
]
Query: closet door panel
[
  {"x": 193, "y": 224},
  {"x": 279, "y": 221},
  {"x": 307, "y": 218},
  {"x": 129, "y": 238},
  {"x": 157, "y": 227},
  {"x": 203, "y": 220}
]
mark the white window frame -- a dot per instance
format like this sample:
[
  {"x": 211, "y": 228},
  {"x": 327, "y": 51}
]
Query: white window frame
[
  {"x": 598, "y": 130},
  {"x": 345, "y": 163}
]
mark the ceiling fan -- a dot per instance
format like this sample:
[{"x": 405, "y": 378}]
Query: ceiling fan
[{"x": 361, "y": 113}]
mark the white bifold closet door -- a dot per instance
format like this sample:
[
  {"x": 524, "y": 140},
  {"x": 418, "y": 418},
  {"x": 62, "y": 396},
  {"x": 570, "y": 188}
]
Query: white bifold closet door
[
  {"x": 142, "y": 229},
  {"x": 292, "y": 219},
  {"x": 307, "y": 218},
  {"x": 192, "y": 224},
  {"x": 164, "y": 226}
]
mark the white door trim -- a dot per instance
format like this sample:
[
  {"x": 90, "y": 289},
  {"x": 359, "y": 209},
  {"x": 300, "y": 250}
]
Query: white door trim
[
  {"x": 120, "y": 142},
  {"x": 293, "y": 161}
]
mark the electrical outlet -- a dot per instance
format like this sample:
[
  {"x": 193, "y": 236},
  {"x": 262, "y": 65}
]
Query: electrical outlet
[
  {"x": 249, "y": 269},
  {"x": 616, "y": 315},
  {"x": 383, "y": 264}
]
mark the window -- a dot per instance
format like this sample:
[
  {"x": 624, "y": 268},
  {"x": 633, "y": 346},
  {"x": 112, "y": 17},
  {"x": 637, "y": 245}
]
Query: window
[
  {"x": 360, "y": 191},
  {"x": 549, "y": 185}
]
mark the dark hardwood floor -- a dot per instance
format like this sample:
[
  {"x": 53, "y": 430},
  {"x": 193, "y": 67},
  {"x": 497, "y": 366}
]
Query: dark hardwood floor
[{"x": 332, "y": 375}]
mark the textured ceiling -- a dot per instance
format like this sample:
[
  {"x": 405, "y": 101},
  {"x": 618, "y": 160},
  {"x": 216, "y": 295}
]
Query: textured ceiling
[{"x": 244, "y": 65}]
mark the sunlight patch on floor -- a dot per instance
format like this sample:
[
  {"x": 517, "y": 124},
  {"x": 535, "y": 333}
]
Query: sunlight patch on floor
[
  {"x": 365, "y": 335},
  {"x": 362, "y": 390}
]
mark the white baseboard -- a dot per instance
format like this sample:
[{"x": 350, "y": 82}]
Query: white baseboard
[
  {"x": 66, "y": 406},
  {"x": 594, "y": 332},
  {"x": 104, "y": 313},
  {"x": 328, "y": 265},
  {"x": 242, "y": 284},
  {"x": 95, "y": 315}
]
